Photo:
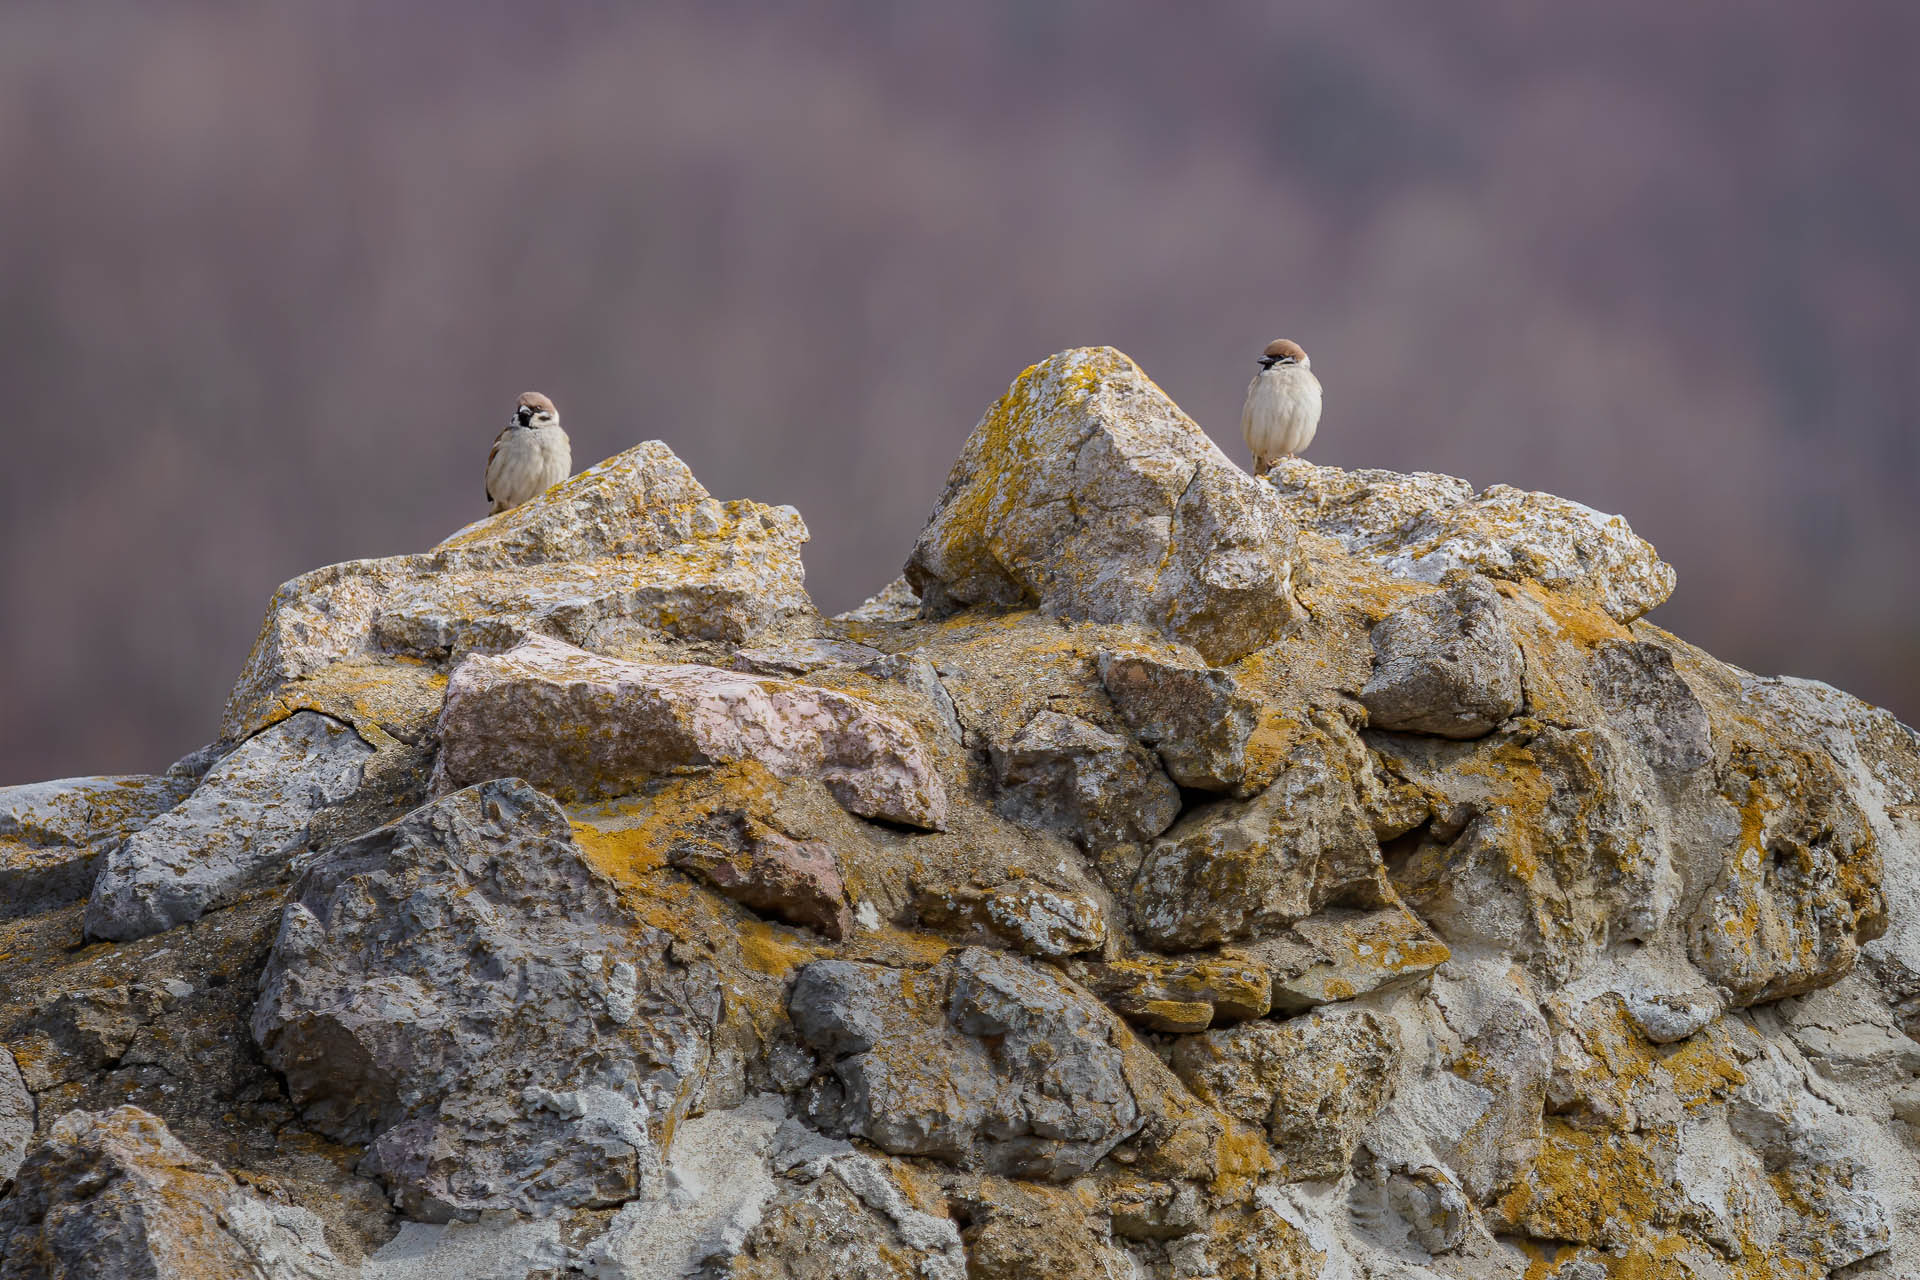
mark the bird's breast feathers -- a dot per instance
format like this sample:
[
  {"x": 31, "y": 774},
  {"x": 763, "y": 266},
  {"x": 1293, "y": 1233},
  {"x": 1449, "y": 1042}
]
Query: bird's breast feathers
[{"x": 1282, "y": 411}]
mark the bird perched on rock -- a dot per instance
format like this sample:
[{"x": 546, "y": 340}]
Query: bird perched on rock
[
  {"x": 1283, "y": 405},
  {"x": 530, "y": 456}
]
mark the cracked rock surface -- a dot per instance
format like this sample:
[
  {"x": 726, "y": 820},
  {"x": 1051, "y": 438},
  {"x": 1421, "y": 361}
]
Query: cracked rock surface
[{"x": 1174, "y": 876}]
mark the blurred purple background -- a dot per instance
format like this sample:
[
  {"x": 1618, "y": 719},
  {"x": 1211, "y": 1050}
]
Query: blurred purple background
[{"x": 273, "y": 276}]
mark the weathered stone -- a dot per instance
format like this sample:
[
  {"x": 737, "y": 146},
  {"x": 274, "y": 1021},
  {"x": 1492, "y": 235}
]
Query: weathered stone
[
  {"x": 1195, "y": 719},
  {"x": 1425, "y": 526},
  {"x": 798, "y": 657},
  {"x": 1312, "y": 1082},
  {"x": 981, "y": 1062},
  {"x": 632, "y": 546},
  {"x": 53, "y": 833},
  {"x": 582, "y": 726},
  {"x": 1341, "y": 953},
  {"x": 793, "y": 880},
  {"x": 113, "y": 1194},
  {"x": 1180, "y": 995},
  {"x": 462, "y": 992},
  {"x": 16, "y": 1117},
  {"x": 1650, "y": 704},
  {"x": 1030, "y": 917},
  {"x": 1237, "y": 869},
  {"x": 244, "y": 822},
  {"x": 1092, "y": 786},
  {"x": 1087, "y": 492},
  {"x": 1445, "y": 664}
]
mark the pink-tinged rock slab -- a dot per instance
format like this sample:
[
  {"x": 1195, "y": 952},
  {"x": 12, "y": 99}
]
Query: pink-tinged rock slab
[{"x": 581, "y": 726}]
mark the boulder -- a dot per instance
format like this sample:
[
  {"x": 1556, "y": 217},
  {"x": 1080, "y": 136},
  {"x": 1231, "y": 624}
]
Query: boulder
[
  {"x": 1073, "y": 777},
  {"x": 980, "y": 1061},
  {"x": 16, "y": 1117},
  {"x": 582, "y": 726},
  {"x": 631, "y": 547},
  {"x": 1445, "y": 664},
  {"x": 1312, "y": 1083},
  {"x": 1341, "y": 953},
  {"x": 112, "y": 1193},
  {"x": 52, "y": 834},
  {"x": 1194, "y": 718},
  {"x": 242, "y": 825},
  {"x": 1425, "y": 526},
  {"x": 1086, "y": 492},
  {"x": 463, "y": 993}
]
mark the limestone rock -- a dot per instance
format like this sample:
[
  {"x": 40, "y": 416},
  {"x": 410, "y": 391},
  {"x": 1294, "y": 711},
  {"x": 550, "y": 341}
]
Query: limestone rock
[
  {"x": 632, "y": 546},
  {"x": 16, "y": 1117},
  {"x": 112, "y": 1193},
  {"x": 980, "y": 1061},
  {"x": 584, "y": 726},
  {"x": 1237, "y": 869},
  {"x": 1180, "y": 996},
  {"x": 1445, "y": 664},
  {"x": 461, "y": 991},
  {"x": 793, "y": 880},
  {"x": 1032, "y": 918},
  {"x": 1087, "y": 492},
  {"x": 244, "y": 822},
  {"x": 1341, "y": 953},
  {"x": 1312, "y": 1082},
  {"x": 1194, "y": 718},
  {"x": 1650, "y": 704},
  {"x": 53, "y": 833},
  {"x": 1425, "y": 526},
  {"x": 1076, "y": 778}
]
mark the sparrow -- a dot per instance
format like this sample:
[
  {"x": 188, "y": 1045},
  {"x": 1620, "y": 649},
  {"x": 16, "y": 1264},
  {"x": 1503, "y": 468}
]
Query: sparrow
[
  {"x": 530, "y": 456},
  {"x": 1283, "y": 405}
]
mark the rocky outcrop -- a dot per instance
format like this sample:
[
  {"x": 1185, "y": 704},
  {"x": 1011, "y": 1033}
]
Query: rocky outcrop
[{"x": 1174, "y": 876}]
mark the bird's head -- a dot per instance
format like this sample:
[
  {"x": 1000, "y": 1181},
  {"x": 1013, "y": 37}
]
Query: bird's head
[
  {"x": 536, "y": 411},
  {"x": 1284, "y": 351}
]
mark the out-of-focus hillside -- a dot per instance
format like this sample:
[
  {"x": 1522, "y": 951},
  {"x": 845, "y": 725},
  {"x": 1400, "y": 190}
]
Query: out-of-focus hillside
[{"x": 273, "y": 279}]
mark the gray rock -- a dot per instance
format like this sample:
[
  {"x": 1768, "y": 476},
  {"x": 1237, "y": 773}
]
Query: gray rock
[
  {"x": 1341, "y": 953},
  {"x": 1425, "y": 526},
  {"x": 1238, "y": 869},
  {"x": 1311, "y": 1083},
  {"x": 1650, "y": 704},
  {"x": 1180, "y": 996},
  {"x": 1086, "y": 492},
  {"x": 583, "y": 726},
  {"x": 113, "y": 1194},
  {"x": 980, "y": 1061},
  {"x": 16, "y": 1118},
  {"x": 53, "y": 833},
  {"x": 1193, "y": 717},
  {"x": 1445, "y": 664},
  {"x": 244, "y": 822},
  {"x": 1098, "y": 789},
  {"x": 629, "y": 547},
  {"x": 1032, "y": 918},
  {"x": 462, "y": 992}
]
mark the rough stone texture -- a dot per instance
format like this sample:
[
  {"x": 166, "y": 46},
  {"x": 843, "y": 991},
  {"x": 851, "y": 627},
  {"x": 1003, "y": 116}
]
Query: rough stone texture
[
  {"x": 1237, "y": 869},
  {"x": 244, "y": 822},
  {"x": 630, "y": 547},
  {"x": 461, "y": 992},
  {"x": 1627, "y": 985},
  {"x": 1445, "y": 665},
  {"x": 53, "y": 833},
  {"x": 1425, "y": 526},
  {"x": 584, "y": 726},
  {"x": 113, "y": 1194},
  {"x": 979, "y": 1061},
  {"x": 1094, "y": 786},
  {"x": 793, "y": 880},
  {"x": 1205, "y": 731},
  {"x": 1087, "y": 492},
  {"x": 1312, "y": 1082},
  {"x": 16, "y": 1117}
]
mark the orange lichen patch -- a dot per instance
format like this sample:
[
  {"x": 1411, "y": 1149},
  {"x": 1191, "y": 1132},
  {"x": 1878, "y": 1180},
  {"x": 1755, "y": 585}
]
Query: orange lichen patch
[
  {"x": 1661, "y": 1257},
  {"x": 1593, "y": 1187},
  {"x": 1578, "y": 618},
  {"x": 376, "y": 697},
  {"x": 1242, "y": 1158},
  {"x": 777, "y": 951}
]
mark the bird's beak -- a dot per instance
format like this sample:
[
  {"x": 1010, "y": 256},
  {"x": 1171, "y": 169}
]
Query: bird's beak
[{"x": 1267, "y": 362}]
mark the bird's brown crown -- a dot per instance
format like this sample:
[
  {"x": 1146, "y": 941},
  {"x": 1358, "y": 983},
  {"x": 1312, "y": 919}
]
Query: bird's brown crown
[
  {"x": 1281, "y": 348},
  {"x": 538, "y": 403}
]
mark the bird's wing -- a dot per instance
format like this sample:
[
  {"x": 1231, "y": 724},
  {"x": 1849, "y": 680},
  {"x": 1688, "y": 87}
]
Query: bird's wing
[{"x": 491, "y": 455}]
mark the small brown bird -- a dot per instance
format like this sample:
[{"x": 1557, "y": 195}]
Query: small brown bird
[
  {"x": 1283, "y": 405},
  {"x": 530, "y": 456}
]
